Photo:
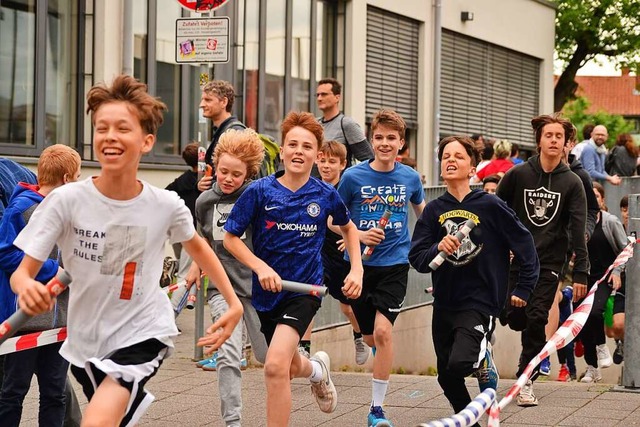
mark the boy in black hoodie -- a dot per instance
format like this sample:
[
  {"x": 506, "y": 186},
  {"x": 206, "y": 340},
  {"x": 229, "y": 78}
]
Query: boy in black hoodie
[
  {"x": 470, "y": 288},
  {"x": 550, "y": 201}
]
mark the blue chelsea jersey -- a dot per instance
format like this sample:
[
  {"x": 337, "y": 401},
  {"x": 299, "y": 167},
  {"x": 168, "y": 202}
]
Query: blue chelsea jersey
[{"x": 288, "y": 230}]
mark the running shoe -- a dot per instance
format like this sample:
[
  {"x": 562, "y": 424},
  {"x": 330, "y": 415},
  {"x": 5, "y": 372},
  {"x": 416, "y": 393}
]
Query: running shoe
[
  {"x": 563, "y": 374},
  {"x": 324, "y": 391},
  {"x": 526, "y": 397},
  {"x": 487, "y": 373},
  {"x": 618, "y": 353},
  {"x": 362, "y": 351},
  {"x": 377, "y": 418},
  {"x": 545, "y": 367},
  {"x": 604, "y": 356},
  {"x": 592, "y": 375}
]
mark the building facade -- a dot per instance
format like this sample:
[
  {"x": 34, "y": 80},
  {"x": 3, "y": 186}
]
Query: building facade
[{"x": 448, "y": 66}]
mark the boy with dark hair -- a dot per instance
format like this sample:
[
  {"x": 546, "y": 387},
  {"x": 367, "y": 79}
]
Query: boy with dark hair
[
  {"x": 549, "y": 199},
  {"x": 288, "y": 213},
  {"x": 470, "y": 287},
  {"x": 111, "y": 230},
  {"x": 58, "y": 165},
  {"x": 369, "y": 189}
]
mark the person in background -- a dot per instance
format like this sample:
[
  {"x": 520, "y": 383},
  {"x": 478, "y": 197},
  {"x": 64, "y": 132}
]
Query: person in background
[
  {"x": 501, "y": 161},
  {"x": 587, "y": 130},
  {"x": 594, "y": 155},
  {"x": 515, "y": 152},
  {"x": 490, "y": 183},
  {"x": 186, "y": 187},
  {"x": 623, "y": 157}
]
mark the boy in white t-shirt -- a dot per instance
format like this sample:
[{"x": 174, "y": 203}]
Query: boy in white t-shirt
[{"x": 111, "y": 230}]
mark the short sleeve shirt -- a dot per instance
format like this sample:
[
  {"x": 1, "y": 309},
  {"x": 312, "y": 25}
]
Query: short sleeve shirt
[
  {"x": 368, "y": 193},
  {"x": 288, "y": 230}
]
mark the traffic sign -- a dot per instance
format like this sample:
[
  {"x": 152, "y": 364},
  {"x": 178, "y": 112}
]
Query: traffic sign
[
  {"x": 202, "y": 40},
  {"x": 202, "y": 5}
]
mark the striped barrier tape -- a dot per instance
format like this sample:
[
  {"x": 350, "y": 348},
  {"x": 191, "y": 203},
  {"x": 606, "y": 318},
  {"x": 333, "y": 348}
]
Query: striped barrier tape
[
  {"x": 469, "y": 415},
  {"x": 564, "y": 335},
  {"x": 36, "y": 339}
]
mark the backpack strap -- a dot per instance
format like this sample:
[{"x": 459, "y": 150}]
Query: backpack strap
[{"x": 349, "y": 156}]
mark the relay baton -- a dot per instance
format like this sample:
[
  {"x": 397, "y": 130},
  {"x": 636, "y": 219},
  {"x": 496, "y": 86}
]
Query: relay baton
[
  {"x": 460, "y": 235},
  {"x": 9, "y": 327},
  {"x": 366, "y": 254},
  {"x": 202, "y": 166},
  {"x": 303, "y": 288}
]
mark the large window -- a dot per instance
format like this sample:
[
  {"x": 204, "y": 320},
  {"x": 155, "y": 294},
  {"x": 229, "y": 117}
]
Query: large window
[{"x": 38, "y": 80}]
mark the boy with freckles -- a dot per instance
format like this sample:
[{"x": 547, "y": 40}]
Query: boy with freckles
[
  {"x": 470, "y": 287},
  {"x": 288, "y": 214}
]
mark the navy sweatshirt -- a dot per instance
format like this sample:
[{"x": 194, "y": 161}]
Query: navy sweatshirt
[{"x": 475, "y": 277}]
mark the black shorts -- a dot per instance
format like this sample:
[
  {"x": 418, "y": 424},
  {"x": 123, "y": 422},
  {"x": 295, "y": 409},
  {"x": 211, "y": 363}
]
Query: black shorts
[
  {"x": 296, "y": 312},
  {"x": 334, "y": 274},
  {"x": 383, "y": 290},
  {"x": 139, "y": 362}
]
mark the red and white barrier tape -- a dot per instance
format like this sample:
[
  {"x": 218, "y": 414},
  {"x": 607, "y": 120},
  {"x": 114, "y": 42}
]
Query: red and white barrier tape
[
  {"x": 36, "y": 339},
  {"x": 564, "y": 335},
  {"x": 174, "y": 287}
]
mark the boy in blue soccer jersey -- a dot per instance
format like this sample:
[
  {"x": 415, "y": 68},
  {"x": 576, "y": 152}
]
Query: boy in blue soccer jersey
[
  {"x": 288, "y": 213},
  {"x": 368, "y": 189}
]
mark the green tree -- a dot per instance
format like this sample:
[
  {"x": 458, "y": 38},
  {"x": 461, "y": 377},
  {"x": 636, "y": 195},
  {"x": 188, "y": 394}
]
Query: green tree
[
  {"x": 586, "y": 28},
  {"x": 576, "y": 111}
]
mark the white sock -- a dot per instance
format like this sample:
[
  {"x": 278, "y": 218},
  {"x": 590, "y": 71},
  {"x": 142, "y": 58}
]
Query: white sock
[
  {"x": 379, "y": 388},
  {"x": 316, "y": 371}
]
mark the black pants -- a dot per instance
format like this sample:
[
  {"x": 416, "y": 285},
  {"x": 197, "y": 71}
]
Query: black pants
[
  {"x": 532, "y": 318},
  {"x": 592, "y": 334},
  {"x": 460, "y": 340}
]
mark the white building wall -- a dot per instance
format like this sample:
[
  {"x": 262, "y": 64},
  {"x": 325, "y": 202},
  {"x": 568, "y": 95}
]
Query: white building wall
[{"x": 107, "y": 40}]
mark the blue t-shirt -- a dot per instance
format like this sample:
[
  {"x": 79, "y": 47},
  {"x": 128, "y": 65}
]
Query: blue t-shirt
[
  {"x": 367, "y": 193},
  {"x": 288, "y": 230}
]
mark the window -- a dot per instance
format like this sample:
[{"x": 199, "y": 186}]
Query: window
[
  {"x": 38, "y": 82},
  {"x": 488, "y": 89}
]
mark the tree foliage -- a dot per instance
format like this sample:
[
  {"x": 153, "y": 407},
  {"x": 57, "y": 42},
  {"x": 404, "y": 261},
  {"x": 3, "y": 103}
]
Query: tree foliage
[
  {"x": 576, "y": 111},
  {"x": 586, "y": 28}
]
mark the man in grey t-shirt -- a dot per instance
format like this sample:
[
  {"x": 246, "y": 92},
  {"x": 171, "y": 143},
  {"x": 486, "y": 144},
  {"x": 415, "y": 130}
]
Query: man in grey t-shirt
[{"x": 339, "y": 127}]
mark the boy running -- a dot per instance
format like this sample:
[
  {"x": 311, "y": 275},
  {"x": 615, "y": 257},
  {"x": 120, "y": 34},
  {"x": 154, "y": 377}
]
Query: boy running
[
  {"x": 470, "y": 288},
  {"x": 111, "y": 230},
  {"x": 237, "y": 157},
  {"x": 288, "y": 212},
  {"x": 368, "y": 189}
]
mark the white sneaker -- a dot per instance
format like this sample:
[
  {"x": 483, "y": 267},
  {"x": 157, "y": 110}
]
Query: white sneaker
[
  {"x": 362, "y": 351},
  {"x": 303, "y": 352},
  {"x": 325, "y": 391},
  {"x": 604, "y": 356},
  {"x": 592, "y": 375},
  {"x": 526, "y": 397}
]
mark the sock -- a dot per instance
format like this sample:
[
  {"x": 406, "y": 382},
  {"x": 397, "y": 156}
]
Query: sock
[
  {"x": 357, "y": 335},
  {"x": 316, "y": 372},
  {"x": 306, "y": 344},
  {"x": 379, "y": 388}
]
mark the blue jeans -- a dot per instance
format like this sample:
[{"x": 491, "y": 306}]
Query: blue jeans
[{"x": 50, "y": 368}]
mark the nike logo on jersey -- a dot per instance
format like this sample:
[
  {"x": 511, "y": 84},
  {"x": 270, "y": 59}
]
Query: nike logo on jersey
[
  {"x": 479, "y": 328},
  {"x": 286, "y": 316},
  {"x": 270, "y": 208}
]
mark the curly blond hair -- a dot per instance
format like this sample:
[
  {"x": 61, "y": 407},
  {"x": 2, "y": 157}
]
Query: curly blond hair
[{"x": 244, "y": 145}]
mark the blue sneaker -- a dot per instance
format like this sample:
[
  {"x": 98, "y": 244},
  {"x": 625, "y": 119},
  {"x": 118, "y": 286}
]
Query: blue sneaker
[
  {"x": 487, "y": 373},
  {"x": 208, "y": 360},
  {"x": 545, "y": 367},
  {"x": 377, "y": 419},
  {"x": 213, "y": 365}
]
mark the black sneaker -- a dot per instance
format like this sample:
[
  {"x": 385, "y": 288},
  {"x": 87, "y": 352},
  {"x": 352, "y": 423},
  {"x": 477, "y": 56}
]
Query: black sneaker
[{"x": 618, "y": 354}]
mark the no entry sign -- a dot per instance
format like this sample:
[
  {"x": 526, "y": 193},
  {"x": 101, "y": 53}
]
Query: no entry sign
[{"x": 202, "y": 5}]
